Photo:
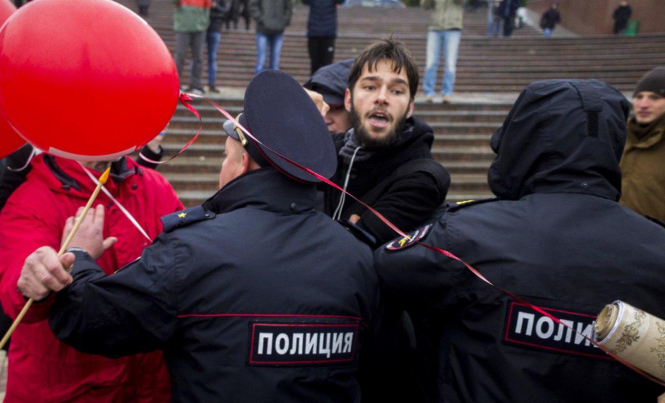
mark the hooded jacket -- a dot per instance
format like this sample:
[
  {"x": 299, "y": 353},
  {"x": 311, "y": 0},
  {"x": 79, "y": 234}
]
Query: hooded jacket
[
  {"x": 555, "y": 237},
  {"x": 42, "y": 368},
  {"x": 406, "y": 198},
  {"x": 643, "y": 167}
]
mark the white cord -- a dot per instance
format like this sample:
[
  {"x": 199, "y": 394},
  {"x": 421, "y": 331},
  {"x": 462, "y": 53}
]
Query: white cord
[{"x": 337, "y": 215}]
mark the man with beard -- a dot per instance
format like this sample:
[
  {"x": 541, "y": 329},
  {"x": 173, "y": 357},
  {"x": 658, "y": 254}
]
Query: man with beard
[
  {"x": 385, "y": 158},
  {"x": 643, "y": 160}
]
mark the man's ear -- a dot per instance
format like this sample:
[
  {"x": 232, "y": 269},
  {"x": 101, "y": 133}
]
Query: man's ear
[
  {"x": 246, "y": 163},
  {"x": 347, "y": 100},
  {"x": 411, "y": 104}
]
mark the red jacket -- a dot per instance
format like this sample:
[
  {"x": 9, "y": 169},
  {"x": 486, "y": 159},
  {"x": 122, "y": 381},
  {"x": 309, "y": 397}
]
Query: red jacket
[{"x": 42, "y": 369}]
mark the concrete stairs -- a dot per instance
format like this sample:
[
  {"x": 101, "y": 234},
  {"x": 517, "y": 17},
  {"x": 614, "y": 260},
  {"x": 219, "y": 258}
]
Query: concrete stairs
[
  {"x": 462, "y": 133},
  {"x": 490, "y": 73}
]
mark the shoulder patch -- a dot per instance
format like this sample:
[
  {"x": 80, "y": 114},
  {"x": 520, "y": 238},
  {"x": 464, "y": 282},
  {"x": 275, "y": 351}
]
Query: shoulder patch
[
  {"x": 185, "y": 217},
  {"x": 466, "y": 203},
  {"x": 528, "y": 329},
  {"x": 323, "y": 341},
  {"x": 411, "y": 239}
]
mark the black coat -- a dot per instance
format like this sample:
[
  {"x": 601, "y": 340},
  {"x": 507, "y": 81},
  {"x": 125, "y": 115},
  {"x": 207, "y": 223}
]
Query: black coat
[
  {"x": 550, "y": 19},
  {"x": 235, "y": 295},
  {"x": 408, "y": 199},
  {"x": 322, "y": 20},
  {"x": 218, "y": 14},
  {"x": 508, "y": 8},
  {"x": 557, "y": 238},
  {"x": 621, "y": 17}
]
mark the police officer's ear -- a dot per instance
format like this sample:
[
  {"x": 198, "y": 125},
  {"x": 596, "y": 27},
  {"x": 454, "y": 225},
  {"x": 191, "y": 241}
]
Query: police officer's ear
[{"x": 248, "y": 164}]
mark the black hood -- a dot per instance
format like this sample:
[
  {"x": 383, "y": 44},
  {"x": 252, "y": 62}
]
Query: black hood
[{"x": 561, "y": 136}]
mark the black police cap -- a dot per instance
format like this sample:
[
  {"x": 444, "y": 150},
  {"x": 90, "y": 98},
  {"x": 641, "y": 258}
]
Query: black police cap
[
  {"x": 236, "y": 133},
  {"x": 280, "y": 114}
]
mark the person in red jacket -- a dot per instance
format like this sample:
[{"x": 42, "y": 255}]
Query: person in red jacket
[{"x": 42, "y": 369}]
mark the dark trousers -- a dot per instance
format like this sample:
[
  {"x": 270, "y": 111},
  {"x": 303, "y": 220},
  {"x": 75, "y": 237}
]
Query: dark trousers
[
  {"x": 143, "y": 11},
  {"x": 321, "y": 51},
  {"x": 508, "y": 25},
  {"x": 195, "y": 41}
]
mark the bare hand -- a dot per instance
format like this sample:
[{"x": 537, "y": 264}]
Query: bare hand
[
  {"x": 354, "y": 218},
  {"x": 90, "y": 235},
  {"x": 43, "y": 272},
  {"x": 321, "y": 105},
  {"x": 661, "y": 398}
]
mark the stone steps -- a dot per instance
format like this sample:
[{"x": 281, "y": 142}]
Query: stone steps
[
  {"x": 485, "y": 65},
  {"x": 462, "y": 129}
]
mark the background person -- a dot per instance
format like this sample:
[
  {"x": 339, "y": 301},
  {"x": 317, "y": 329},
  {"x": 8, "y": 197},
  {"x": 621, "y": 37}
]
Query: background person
[
  {"x": 621, "y": 17},
  {"x": 218, "y": 14},
  {"x": 445, "y": 32},
  {"x": 550, "y": 19},
  {"x": 508, "y": 10},
  {"x": 190, "y": 23},
  {"x": 331, "y": 82},
  {"x": 643, "y": 161},
  {"x": 321, "y": 31},
  {"x": 272, "y": 17}
]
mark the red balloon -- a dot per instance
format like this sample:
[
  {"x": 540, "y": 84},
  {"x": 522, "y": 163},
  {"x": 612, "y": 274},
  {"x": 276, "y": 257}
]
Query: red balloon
[
  {"x": 6, "y": 9},
  {"x": 88, "y": 80},
  {"x": 10, "y": 141}
]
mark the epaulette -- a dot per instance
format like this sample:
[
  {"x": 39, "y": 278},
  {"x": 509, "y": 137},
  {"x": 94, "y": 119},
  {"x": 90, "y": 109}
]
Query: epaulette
[
  {"x": 186, "y": 217},
  {"x": 466, "y": 203}
]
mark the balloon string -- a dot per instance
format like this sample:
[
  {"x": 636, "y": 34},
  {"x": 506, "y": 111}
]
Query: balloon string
[
  {"x": 30, "y": 157},
  {"x": 184, "y": 100},
  {"x": 122, "y": 208},
  {"x": 434, "y": 248}
]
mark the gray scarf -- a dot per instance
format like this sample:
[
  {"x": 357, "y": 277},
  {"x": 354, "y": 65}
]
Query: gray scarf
[{"x": 351, "y": 143}]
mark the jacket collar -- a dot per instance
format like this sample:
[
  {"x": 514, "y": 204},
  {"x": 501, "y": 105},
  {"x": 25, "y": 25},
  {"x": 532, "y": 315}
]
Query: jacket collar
[
  {"x": 265, "y": 189},
  {"x": 414, "y": 141},
  {"x": 69, "y": 175},
  {"x": 645, "y": 137}
]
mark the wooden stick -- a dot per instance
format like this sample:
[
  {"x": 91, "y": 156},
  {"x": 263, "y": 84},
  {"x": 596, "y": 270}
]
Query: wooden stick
[{"x": 63, "y": 248}]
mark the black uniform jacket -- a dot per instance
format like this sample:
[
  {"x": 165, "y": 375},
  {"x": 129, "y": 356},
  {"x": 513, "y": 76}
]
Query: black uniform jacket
[
  {"x": 258, "y": 298},
  {"x": 555, "y": 237},
  {"x": 402, "y": 182}
]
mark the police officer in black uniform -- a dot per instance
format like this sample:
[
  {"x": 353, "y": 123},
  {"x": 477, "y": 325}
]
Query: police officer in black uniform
[
  {"x": 556, "y": 237},
  {"x": 253, "y": 296}
]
